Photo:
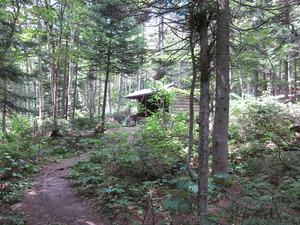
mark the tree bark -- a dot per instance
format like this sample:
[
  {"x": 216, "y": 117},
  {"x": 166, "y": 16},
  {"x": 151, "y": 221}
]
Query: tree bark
[
  {"x": 264, "y": 79},
  {"x": 40, "y": 75},
  {"x": 41, "y": 89},
  {"x": 160, "y": 44},
  {"x": 220, "y": 131},
  {"x": 4, "y": 105},
  {"x": 70, "y": 83},
  {"x": 107, "y": 73},
  {"x": 295, "y": 78},
  {"x": 75, "y": 90},
  {"x": 92, "y": 92},
  {"x": 203, "y": 145},
  {"x": 285, "y": 80},
  {"x": 290, "y": 86},
  {"x": 54, "y": 63},
  {"x": 120, "y": 91},
  {"x": 99, "y": 100},
  {"x": 191, "y": 115},
  {"x": 109, "y": 97},
  {"x": 255, "y": 83}
]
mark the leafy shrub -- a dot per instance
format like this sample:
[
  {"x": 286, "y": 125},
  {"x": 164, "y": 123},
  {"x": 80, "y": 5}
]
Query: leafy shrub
[
  {"x": 260, "y": 125},
  {"x": 20, "y": 126},
  {"x": 266, "y": 193},
  {"x": 14, "y": 161},
  {"x": 136, "y": 174},
  {"x": 12, "y": 191},
  {"x": 14, "y": 217},
  {"x": 48, "y": 125},
  {"x": 119, "y": 116},
  {"x": 83, "y": 123},
  {"x": 259, "y": 119}
]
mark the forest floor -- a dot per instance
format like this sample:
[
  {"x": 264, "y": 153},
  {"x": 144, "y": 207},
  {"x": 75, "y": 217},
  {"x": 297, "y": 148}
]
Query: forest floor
[{"x": 51, "y": 200}]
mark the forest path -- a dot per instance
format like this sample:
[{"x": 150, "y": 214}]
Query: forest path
[{"x": 51, "y": 200}]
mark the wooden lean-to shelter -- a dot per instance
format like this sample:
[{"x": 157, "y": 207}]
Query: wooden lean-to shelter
[{"x": 180, "y": 103}]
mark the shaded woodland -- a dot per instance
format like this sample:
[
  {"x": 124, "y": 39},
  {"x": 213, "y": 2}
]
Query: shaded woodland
[{"x": 66, "y": 67}]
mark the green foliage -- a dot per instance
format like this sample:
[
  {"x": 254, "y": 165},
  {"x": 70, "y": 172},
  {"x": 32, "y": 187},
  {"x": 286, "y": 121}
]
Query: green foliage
[
  {"x": 255, "y": 124},
  {"x": 185, "y": 198},
  {"x": 20, "y": 153},
  {"x": 20, "y": 126},
  {"x": 119, "y": 116},
  {"x": 12, "y": 191},
  {"x": 266, "y": 180},
  {"x": 15, "y": 159},
  {"x": 223, "y": 180},
  {"x": 48, "y": 125},
  {"x": 266, "y": 190},
  {"x": 14, "y": 217},
  {"x": 83, "y": 123},
  {"x": 268, "y": 193},
  {"x": 167, "y": 132},
  {"x": 162, "y": 97},
  {"x": 140, "y": 172}
]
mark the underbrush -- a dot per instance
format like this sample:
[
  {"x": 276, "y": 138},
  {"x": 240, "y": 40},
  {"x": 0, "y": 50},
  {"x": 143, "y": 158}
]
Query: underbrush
[
  {"x": 141, "y": 178},
  {"x": 267, "y": 191},
  {"x": 264, "y": 162},
  {"x": 21, "y": 154}
]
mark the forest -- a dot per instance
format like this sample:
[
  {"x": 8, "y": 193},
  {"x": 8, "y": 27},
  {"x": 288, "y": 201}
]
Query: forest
[{"x": 102, "y": 78}]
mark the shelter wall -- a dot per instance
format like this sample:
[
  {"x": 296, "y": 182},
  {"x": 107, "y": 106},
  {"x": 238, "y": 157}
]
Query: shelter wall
[{"x": 182, "y": 104}]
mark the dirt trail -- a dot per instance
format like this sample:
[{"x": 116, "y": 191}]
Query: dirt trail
[{"x": 51, "y": 200}]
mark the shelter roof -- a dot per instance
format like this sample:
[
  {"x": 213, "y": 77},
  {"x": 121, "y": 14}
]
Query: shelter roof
[
  {"x": 139, "y": 93},
  {"x": 144, "y": 92}
]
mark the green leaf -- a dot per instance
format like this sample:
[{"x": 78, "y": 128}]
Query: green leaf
[{"x": 17, "y": 175}]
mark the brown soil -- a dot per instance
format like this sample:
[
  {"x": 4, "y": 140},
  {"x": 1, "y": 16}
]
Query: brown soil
[{"x": 51, "y": 200}]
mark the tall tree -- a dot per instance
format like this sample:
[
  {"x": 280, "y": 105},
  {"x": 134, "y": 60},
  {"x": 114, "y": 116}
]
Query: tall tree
[
  {"x": 201, "y": 23},
  {"x": 9, "y": 72},
  {"x": 220, "y": 131},
  {"x": 115, "y": 43}
]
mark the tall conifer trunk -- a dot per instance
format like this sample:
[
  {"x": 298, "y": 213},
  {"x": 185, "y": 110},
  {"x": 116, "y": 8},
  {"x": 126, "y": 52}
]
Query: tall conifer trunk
[
  {"x": 203, "y": 144},
  {"x": 191, "y": 107},
  {"x": 107, "y": 72},
  {"x": 220, "y": 132}
]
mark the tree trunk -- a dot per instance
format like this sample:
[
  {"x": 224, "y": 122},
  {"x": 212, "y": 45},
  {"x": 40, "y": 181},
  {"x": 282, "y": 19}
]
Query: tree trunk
[
  {"x": 203, "y": 145},
  {"x": 264, "y": 79},
  {"x": 109, "y": 97},
  {"x": 286, "y": 75},
  {"x": 290, "y": 86},
  {"x": 120, "y": 91},
  {"x": 4, "y": 106},
  {"x": 41, "y": 89},
  {"x": 285, "y": 80},
  {"x": 160, "y": 44},
  {"x": 75, "y": 91},
  {"x": 191, "y": 115},
  {"x": 27, "y": 103},
  {"x": 40, "y": 75},
  {"x": 295, "y": 78},
  {"x": 255, "y": 83},
  {"x": 99, "y": 100},
  {"x": 64, "y": 89},
  {"x": 70, "y": 87},
  {"x": 107, "y": 73},
  {"x": 54, "y": 52},
  {"x": 220, "y": 131},
  {"x": 91, "y": 92}
]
